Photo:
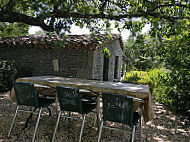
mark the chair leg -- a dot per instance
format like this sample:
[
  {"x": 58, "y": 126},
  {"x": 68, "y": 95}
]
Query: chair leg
[
  {"x": 68, "y": 114},
  {"x": 30, "y": 117},
  {"x": 95, "y": 118},
  {"x": 56, "y": 126},
  {"x": 13, "y": 121},
  {"x": 82, "y": 127},
  {"x": 133, "y": 134},
  {"x": 33, "y": 139},
  {"x": 140, "y": 128},
  {"x": 100, "y": 131},
  {"x": 49, "y": 110}
]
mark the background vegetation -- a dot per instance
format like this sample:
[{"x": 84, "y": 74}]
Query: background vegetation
[{"x": 167, "y": 70}]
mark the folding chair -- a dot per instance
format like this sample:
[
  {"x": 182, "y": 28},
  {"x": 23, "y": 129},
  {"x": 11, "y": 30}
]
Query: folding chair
[
  {"x": 26, "y": 95},
  {"x": 119, "y": 108},
  {"x": 70, "y": 99}
]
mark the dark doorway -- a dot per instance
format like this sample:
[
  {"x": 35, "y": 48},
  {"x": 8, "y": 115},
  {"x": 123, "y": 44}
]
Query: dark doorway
[
  {"x": 116, "y": 67},
  {"x": 106, "y": 68}
]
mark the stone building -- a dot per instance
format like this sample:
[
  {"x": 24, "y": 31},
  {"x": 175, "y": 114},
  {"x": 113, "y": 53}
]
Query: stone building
[{"x": 79, "y": 56}]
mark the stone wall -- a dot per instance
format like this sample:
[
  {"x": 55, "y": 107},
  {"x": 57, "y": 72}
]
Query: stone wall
[
  {"x": 60, "y": 62},
  {"x": 98, "y": 63}
]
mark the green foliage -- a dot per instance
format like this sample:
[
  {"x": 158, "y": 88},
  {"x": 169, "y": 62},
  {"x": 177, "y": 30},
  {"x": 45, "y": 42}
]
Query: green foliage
[
  {"x": 175, "y": 51},
  {"x": 170, "y": 90},
  {"x": 172, "y": 48},
  {"x": 106, "y": 52},
  {"x": 152, "y": 77},
  {"x": 15, "y": 29},
  {"x": 7, "y": 74},
  {"x": 56, "y": 15},
  {"x": 143, "y": 52}
]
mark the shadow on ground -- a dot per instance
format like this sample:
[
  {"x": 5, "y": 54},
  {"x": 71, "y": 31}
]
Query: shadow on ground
[{"x": 166, "y": 127}]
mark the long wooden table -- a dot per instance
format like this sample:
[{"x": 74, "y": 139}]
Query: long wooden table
[{"x": 139, "y": 91}]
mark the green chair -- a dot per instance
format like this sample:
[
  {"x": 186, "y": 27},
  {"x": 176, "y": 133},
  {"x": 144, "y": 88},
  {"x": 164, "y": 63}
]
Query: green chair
[
  {"x": 26, "y": 95},
  {"x": 70, "y": 100},
  {"x": 119, "y": 108}
]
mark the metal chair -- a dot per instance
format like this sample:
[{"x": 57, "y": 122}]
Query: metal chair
[
  {"x": 26, "y": 95},
  {"x": 119, "y": 108},
  {"x": 70, "y": 99}
]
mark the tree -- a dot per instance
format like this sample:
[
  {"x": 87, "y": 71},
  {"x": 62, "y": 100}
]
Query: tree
[
  {"x": 57, "y": 15},
  {"x": 143, "y": 51},
  {"x": 13, "y": 29}
]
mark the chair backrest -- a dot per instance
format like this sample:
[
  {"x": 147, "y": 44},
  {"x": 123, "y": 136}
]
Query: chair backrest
[
  {"x": 69, "y": 99},
  {"x": 26, "y": 94},
  {"x": 118, "y": 108}
]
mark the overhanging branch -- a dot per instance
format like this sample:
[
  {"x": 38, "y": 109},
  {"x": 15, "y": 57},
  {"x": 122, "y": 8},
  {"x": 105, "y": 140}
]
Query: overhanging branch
[{"x": 9, "y": 16}]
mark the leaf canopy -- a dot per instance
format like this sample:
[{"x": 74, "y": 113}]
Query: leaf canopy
[{"x": 59, "y": 15}]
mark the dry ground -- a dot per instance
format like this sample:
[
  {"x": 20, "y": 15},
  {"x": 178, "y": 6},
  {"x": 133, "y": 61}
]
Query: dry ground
[{"x": 166, "y": 127}]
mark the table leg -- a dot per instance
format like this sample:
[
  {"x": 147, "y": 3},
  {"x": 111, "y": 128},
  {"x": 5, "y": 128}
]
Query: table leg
[{"x": 99, "y": 110}]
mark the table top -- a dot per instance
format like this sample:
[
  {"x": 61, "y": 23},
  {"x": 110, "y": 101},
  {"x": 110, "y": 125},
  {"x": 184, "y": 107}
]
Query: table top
[
  {"x": 140, "y": 91},
  {"x": 130, "y": 89}
]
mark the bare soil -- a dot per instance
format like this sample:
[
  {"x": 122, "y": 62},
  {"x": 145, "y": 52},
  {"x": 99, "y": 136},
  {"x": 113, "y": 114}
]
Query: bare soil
[{"x": 166, "y": 127}]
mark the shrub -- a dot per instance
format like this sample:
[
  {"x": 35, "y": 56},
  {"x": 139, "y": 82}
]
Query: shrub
[
  {"x": 164, "y": 87},
  {"x": 7, "y": 74},
  {"x": 140, "y": 77}
]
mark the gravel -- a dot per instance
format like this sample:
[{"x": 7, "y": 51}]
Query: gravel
[{"x": 166, "y": 127}]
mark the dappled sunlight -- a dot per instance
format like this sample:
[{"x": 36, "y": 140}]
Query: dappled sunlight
[
  {"x": 52, "y": 80},
  {"x": 166, "y": 127}
]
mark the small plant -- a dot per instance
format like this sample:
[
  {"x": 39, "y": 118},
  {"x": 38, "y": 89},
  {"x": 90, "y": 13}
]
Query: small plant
[{"x": 106, "y": 52}]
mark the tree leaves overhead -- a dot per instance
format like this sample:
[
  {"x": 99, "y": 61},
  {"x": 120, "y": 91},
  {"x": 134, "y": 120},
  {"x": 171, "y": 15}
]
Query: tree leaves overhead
[
  {"x": 13, "y": 29},
  {"x": 57, "y": 15}
]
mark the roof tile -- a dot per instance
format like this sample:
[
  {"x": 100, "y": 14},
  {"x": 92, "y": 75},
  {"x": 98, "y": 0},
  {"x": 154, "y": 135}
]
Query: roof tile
[{"x": 88, "y": 42}]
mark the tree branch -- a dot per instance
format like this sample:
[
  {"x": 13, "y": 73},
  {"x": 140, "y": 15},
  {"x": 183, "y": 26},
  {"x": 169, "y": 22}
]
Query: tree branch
[
  {"x": 8, "y": 16},
  {"x": 60, "y": 14}
]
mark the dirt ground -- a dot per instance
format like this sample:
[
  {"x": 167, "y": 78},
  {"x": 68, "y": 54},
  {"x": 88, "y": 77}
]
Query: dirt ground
[{"x": 166, "y": 127}]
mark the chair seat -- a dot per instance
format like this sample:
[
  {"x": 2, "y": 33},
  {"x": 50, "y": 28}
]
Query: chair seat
[
  {"x": 43, "y": 102},
  {"x": 88, "y": 96},
  {"x": 87, "y": 107},
  {"x": 89, "y": 99}
]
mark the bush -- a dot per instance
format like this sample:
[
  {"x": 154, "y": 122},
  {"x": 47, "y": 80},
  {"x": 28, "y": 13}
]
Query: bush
[
  {"x": 140, "y": 77},
  {"x": 164, "y": 87},
  {"x": 7, "y": 74},
  {"x": 180, "y": 93}
]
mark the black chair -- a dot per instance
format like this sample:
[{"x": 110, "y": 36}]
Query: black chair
[
  {"x": 119, "y": 108},
  {"x": 26, "y": 95},
  {"x": 87, "y": 95},
  {"x": 70, "y": 99}
]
